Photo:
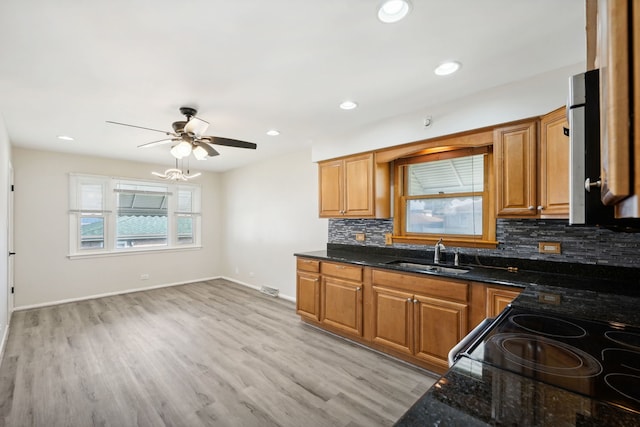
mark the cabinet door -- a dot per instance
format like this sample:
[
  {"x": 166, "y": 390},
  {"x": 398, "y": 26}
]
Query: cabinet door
[
  {"x": 440, "y": 325},
  {"x": 554, "y": 165},
  {"x": 342, "y": 305},
  {"x": 330, "y": 175},
  {"x": 393, "y": 319},
  {"x": 515, "y": 165},
  {"x": 358, "y": 186},
  {"x": 308, "y": 295},
  {"x": 614, "y": 56},
  {"x": 498, "y": 299}
]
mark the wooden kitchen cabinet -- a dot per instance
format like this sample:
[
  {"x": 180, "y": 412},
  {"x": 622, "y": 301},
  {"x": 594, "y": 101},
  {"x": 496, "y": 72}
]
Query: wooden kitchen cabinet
[
  {"x": 341, "y": 297},
  {"x": 354, "y": 186},
  {"x": 618, "y": 38},
  {"x": 554, "y": 165},
  {"x": 498, "y": 298},
  {"x": 533, "y": 178},
  {"x": 308, "y": 288},
  {"x": 515, "y": 155},
  {"x": 419, "y": 316}
]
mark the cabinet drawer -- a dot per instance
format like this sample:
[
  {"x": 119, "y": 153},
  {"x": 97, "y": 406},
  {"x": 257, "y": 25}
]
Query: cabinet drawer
[
  {"x": 310, "y": 265},
  {"x": 430, "y": 286},
  {"x": 344, "y": 271}
]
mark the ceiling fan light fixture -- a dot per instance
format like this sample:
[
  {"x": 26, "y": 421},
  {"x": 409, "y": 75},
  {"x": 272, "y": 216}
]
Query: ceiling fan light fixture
[
  {"x": 200, "y": 153},
  {"x": 183, "y": 149},
  {"x": 273, "y": 132},
  {"x": 391, "y": 11}
]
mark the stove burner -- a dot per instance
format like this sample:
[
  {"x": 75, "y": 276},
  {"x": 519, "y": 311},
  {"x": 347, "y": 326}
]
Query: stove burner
[
  {"x": 549, "y": 326},
  {"x": 546, "y": 355},
  {"x": 620, "y": 357},
  {"x": 628, "y": 339},
  {"x": 626, "y": 385}
]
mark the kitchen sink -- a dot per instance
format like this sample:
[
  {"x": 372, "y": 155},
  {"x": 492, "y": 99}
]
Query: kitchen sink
[{"x": 427, "y": 267}]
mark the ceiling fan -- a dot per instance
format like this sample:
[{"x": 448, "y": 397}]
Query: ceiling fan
[{"x": 188, "y": 137}]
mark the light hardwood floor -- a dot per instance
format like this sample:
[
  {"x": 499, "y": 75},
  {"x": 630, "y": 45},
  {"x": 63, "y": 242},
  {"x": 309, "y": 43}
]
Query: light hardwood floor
[{"x": 211, "y": 353}]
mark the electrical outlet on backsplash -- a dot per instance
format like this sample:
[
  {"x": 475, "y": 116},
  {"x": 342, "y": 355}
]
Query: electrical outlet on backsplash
[{"x": 518, "y": 238}]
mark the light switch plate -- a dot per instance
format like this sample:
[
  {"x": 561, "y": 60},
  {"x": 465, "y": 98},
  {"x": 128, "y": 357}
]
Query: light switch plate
[
  {"x": 549, "y": 247},
  {"x": 360, "y": 237},
  {"x": 388, "y": 239}
]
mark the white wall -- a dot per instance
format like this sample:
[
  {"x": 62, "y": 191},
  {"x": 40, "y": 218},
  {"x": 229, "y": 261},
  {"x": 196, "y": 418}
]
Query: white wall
[
  {"x": 5, "y": 158},
  {"x": 44, "y": 273},
  {"x": 514, "y": 101},
  {"x": 271, "y": 211}
]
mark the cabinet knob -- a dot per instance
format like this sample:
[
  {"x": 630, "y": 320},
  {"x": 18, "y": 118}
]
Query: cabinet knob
[
  {"x": 531, "y": 208},
  {"x": 415, "y": 301},
  {"x": 358, "y": 289},
  {"x": 408, "y": 299},
  {"x": 540, "y": 208}
]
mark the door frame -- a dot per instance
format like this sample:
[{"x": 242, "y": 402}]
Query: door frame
[{"x": 10, "y": 246}]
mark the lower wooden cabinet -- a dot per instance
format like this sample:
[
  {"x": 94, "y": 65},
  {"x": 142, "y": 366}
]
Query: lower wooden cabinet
[
  {"x": 498, "y": 298},
  {"x": 421, "y": 326},
  {"x": 393, "y": 319},
  {"x": 418, "y": 318},
  {"x": 439, "y": 326},
  {"x": 341, "y": 297},
  {"x": 308, "y": 288}
]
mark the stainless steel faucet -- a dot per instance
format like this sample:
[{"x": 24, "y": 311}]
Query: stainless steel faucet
[{"x": 436, "y": 255}]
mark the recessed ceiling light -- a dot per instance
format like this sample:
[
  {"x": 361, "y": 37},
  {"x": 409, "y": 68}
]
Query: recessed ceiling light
[
  {"x": 391, "y": 11},
  {"x": 447, "y": 68},
  {"x": 273, "y": 132},
  {"x": 348, "y": 105},
  {"x": 65, "y": 138}
]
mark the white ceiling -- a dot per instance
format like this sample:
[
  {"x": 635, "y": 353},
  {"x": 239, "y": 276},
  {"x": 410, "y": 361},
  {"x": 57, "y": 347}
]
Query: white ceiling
[{"x": 67, "y": 66}]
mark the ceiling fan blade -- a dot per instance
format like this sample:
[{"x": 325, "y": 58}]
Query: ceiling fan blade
[
  {"x": 158, "y": 142},
  {"x": 140, "y": 127},
  {"x": 196, "y": 126},
  {"x": 211, "y": 152},
  {"x": 227, "y": 142}
]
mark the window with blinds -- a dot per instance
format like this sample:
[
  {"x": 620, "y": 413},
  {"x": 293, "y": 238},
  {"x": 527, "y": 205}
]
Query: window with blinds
[
  {"x": 445, "y": 194},
  {"x": 119, "y": 215}
]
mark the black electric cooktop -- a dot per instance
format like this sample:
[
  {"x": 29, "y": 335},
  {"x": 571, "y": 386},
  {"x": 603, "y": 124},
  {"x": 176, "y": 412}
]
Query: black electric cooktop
[{"x": 596, "y": 359}]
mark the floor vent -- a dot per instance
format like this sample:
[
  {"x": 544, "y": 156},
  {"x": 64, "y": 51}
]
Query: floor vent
[{"x": 269, "y": 291}]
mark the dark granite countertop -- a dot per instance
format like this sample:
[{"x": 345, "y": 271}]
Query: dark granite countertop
[
  {"x": 493, "y": 270},
  {"x": 477, "y": 394}
]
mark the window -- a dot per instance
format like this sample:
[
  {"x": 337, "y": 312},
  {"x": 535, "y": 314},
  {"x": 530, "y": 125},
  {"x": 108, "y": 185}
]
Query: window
[
  {"x": 445, "y": 195},
  {"x": 118, "y": 215}
]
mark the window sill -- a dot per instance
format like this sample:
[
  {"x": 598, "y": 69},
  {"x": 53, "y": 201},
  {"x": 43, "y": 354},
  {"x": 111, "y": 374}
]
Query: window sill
[
  {"x": 448, "y": 241},
  {"x": 105, "y": 254}
]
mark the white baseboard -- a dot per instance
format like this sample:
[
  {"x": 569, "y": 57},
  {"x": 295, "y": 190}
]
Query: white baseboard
[
  {"x": 257, "y": 288},
  {"x": 127, "y": 291},
  {"x": 109, "y": 294}
]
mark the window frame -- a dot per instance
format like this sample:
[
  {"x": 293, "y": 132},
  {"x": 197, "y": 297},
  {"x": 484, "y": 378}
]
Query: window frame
[
  {"x": 400, "y": 234},
  {"x": 109, "y": 213}
]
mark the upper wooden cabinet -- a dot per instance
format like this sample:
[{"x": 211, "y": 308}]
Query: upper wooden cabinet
[
  {"x": 355, "y": 187},
  {"x": 532, "y": 174},
  {"x": 554, "y": 165},
  {"x": 618, "y": 38},
  {"x": 515, "y": 154}
]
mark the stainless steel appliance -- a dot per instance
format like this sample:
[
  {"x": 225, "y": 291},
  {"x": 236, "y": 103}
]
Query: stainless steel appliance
[
  {"x": 595, "y": 359},
  {"x": 583, "y": 110}
]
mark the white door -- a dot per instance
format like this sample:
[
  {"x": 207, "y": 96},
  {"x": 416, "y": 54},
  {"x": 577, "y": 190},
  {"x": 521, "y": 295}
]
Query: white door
[{"x": 11, "y": 247}]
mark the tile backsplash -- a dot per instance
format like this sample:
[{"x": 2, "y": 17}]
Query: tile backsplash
[{"x": 518, "y": 238}]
